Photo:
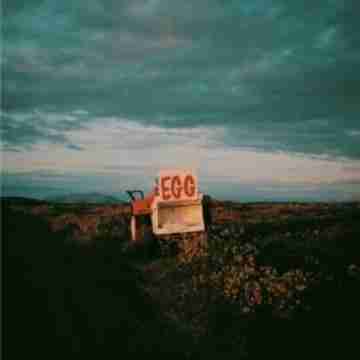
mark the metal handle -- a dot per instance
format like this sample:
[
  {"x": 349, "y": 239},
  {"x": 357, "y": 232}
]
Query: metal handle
[{"x": 132, "y": 194}]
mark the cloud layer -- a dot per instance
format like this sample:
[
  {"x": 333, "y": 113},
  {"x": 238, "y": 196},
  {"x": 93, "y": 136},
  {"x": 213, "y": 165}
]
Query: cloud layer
[
  {"x": 251, "y": 75},
  {"x": 117, "y": 147}
]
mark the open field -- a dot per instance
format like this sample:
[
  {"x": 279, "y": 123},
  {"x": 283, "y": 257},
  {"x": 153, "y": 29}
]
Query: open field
[{"x": 277, "y": 280}]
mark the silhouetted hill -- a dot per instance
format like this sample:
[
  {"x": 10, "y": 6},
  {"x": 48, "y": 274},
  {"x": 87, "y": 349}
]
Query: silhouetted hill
[
  {"x": 85, "y": 198},
  {"x": 19, "y": 200}
]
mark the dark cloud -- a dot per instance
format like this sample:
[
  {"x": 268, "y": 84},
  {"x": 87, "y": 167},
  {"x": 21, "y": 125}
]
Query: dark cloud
[
  {"x": 279, "y": 75},
  {"x": 11, "y": 7},
  {"x": 22, "y": 130},
  {"x": 75, "y": 147}
]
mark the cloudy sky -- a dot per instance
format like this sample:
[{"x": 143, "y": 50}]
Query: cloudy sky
[{"x": 260, "y": 97}]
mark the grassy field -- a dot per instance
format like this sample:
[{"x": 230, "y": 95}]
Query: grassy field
[{"x": 277, "y": 280}]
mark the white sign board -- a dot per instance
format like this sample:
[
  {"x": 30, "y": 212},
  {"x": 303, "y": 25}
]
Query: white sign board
[{"x": 176, "y": 185}]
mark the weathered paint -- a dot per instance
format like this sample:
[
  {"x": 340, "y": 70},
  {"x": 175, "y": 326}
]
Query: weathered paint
[
  {"x": 133, "y": 228},
  {"x": 175, "y": 204},
  {"x": 178, "y": 217},
  {"x": 142, "y": 207},
  {"x": 174, "y": 185},
  {"x": 177, "y": 207}
]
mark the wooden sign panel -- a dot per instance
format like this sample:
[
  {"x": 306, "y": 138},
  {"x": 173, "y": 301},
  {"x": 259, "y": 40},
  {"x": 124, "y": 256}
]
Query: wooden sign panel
[{"x": 177, "y": 185}]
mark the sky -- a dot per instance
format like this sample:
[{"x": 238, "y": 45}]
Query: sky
[{"x": 260, "y": 97}]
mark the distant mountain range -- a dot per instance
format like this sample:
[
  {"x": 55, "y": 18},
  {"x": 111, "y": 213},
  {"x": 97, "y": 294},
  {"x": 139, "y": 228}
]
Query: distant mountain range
[
  {"x": 88, "y": 198},
  {"x": 21, "y": 200}
]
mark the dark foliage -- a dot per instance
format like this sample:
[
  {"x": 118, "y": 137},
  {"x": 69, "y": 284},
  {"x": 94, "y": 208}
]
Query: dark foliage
[{"x": 67, "y": 301}]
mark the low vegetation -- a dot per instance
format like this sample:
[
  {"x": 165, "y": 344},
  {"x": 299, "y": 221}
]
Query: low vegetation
[{"x": 276, "y": 285}]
